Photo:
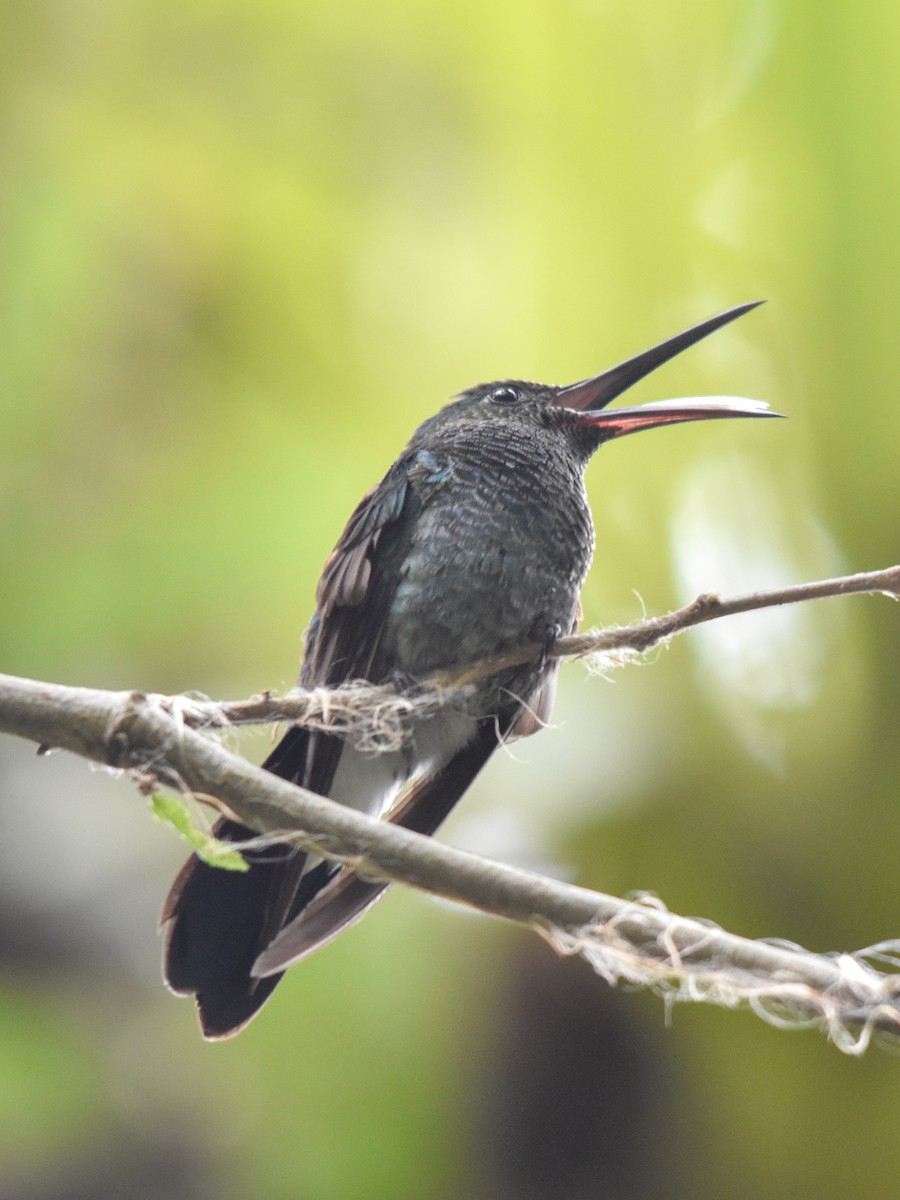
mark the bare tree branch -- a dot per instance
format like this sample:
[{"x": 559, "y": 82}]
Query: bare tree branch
[{"x": 151, "y": 738}]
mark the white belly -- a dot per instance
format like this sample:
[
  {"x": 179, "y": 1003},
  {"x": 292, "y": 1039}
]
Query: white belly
[{"x": 371, "y": 782}]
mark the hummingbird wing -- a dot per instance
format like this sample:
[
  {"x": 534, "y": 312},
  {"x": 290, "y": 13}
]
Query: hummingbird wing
[
  {"x": 353, "y": 597},
  {"x": 216, "y": 923}
]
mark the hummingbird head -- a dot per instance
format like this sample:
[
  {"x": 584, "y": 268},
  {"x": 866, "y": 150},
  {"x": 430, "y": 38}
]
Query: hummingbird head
[{"x": 580, "y": 409}]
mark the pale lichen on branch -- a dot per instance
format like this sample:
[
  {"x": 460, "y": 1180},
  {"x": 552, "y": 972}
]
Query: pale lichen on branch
[{"x": 693, "y": 961}]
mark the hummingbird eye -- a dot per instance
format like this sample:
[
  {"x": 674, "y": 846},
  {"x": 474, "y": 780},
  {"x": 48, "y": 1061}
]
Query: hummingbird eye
[{"x": 505, "y": 395}]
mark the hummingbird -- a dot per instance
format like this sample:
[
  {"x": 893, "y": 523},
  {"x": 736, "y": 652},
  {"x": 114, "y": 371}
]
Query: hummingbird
[{"x": 478, "y": 539}]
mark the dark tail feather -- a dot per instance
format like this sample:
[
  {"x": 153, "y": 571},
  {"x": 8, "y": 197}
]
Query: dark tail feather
[
  {"x": 348, "y": 896},
  {"x": 217, "y": 922},
  {"x": 213, "y": 920},
  {"x": 221, "y": 927}
]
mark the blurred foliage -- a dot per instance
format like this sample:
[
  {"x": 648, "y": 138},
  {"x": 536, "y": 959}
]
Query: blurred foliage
[{"x": 245, "y": 249}]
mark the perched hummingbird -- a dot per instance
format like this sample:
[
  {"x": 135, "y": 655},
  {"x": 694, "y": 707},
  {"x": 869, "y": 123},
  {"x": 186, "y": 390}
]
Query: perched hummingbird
[{"x": 477, "y": 540}]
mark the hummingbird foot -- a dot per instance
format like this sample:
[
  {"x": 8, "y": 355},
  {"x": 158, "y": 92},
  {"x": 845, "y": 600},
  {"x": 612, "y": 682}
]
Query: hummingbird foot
[{"x": 547, "y": 636}]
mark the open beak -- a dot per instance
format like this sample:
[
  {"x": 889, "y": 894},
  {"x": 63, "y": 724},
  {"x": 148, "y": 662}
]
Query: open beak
[{"x": 590, "y": 397}]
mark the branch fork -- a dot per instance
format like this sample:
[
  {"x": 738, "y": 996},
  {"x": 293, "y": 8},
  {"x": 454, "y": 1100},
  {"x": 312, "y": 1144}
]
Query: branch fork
[{"x": 167, "y": 739}]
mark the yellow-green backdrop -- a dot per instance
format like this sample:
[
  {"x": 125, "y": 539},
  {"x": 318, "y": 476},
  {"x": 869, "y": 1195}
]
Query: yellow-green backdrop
[{"x": 244, "y": 249}]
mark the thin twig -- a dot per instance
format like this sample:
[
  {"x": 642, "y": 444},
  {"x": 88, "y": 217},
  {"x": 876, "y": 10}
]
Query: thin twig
[
  {"x": 644, "y": 635},
  {"x": 379, "y": 718}
]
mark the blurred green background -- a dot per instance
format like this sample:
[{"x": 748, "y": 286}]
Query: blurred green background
[{"x": 245, "y": 248}]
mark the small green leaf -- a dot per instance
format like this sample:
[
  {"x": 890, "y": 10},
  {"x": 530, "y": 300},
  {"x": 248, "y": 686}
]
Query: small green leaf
[{"x": 174, "y": 812}]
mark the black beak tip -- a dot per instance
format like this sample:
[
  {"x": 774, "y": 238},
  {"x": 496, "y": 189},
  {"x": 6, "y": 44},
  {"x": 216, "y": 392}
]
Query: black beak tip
[{"x": 601, "y": 390}]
